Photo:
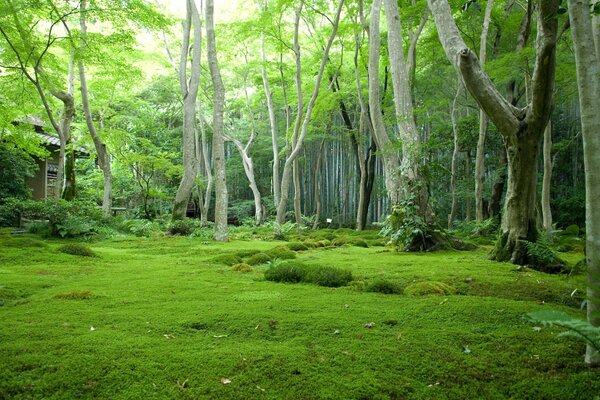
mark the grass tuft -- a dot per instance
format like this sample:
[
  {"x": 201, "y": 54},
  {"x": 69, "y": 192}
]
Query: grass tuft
[
  {"x": 290, "y": 271},
  {"x": 227, "y": 259},
  {"x": 281, "y": 253}
]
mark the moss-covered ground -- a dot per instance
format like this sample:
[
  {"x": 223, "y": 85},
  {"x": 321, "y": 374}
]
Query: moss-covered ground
[{"x": 162, "y": 318}]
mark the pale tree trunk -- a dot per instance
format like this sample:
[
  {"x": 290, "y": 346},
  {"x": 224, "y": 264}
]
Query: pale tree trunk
[
  {"x": 69, "y": 191},
  {"x": 587, "y": 60},
  {"x": 317, "y": 187},
  {"x": 207, "y": 169},
  {"x": 249, "y": 170},
  {"x": 391, "y": 160},
  {"x": 522, "y": 129},
  {"x": 101, "y": 151},
  {"x": 547, "y": 179},
  {"x": 218, "y": 143},
  {"x": 272, "y": 123},
  {"x": 411, "y": 178},
  {"x": 300, "y": 132},
  {"x": 454, "y": 167},
  {"x": 483, "y": 121},
  {"x": 297, "y": 193},
  {"x": 189, "y": 93}
]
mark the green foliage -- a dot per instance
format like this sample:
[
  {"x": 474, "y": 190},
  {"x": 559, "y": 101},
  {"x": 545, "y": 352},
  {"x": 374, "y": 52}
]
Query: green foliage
[
  {"x": 140, "y": 227},
  {"x": 297, "y": 246},
  {"x": 290, "y": 271},
  {"x": 577, "y": 328},
  {"x": 328, "y": 276},
  {"x": 281, "y": 231},
  {"x": 542, "y": 257},
  {"x": 227, "y": 259},
  {"x": 25, "y": 242},
  {"x": 360, "y": 243},
  {"x": 247, "y": 252},
  {"x": 259, "y": 258},
  {"x": 183, "y": 227},
  {"x": 16, "y": 167},
  {"x": 77, "y": 249},
  {"x": 385, "y": 287},
  {"x": 242, "y": 267},
  {"x": 281, "y": 252},
  {"x": 429, "y": 287},
  {"x": 407, "y": 228}
]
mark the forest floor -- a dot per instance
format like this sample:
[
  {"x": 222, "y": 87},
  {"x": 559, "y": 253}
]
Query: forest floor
[{"x": 164, "y": 318}]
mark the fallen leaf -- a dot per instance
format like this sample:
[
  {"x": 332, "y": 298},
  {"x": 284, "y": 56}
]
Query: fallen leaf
[
  {"x": 537, "y": 328},
  {"x": 369, "y": 325},
  {"x": 466, "y": 350},
  {"x": 220, "y": 336},
  {"x": 92, "y": 328},
  {"x": 225, "y": 381}
]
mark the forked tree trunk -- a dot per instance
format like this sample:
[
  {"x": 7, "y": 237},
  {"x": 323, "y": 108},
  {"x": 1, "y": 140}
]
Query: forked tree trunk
[
  {"x": 189, "y": 92},
  {"x": 101, "y": 151},
  {"x": 587, "y": 60},
  {"x": 218, "y": 129},
  {"x": 522, "y": 129}
]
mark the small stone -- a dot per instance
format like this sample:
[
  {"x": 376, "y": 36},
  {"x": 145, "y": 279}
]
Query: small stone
[{"x": 468, "y": 280}]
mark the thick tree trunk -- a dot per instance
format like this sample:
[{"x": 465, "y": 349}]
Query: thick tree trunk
[
  {"x": 101, "y": 151},
  {"x": 522, "y": 129},
  {"x": 189, "y": 92},
  {"x": 587, "y": 59},
  {"x": 483, "y": 121},
  {"x": 218, "y": 129},
  {"x": 391, "y": 160},
  {"x": 546, "y": 211}
]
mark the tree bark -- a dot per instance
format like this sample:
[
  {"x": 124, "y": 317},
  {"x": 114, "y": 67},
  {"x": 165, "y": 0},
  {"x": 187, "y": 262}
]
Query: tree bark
[
  {"x": 391, "y": 160},
  {"x": 522, "y": 129},
  {"x": 587, "y": 60},
  {"x": 189, "y": 93},
  {"x": 483, "y": 121},
  {"x": 498, "y": 187},
  {"x": 317, "y": 187},
  {"x": 454, "y": 168},
  {"x": 218, "y": 129},
  {"x": 547, "y": 179},
  {"x": 101, "y": 151}
]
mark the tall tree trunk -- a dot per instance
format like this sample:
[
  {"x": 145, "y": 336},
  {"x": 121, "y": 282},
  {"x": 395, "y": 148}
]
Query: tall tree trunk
[
  {"x": 101, "y": 151},
  {"x": 454, "y": 168},
  {"x": 498, "y": 187},
  {"x": 391, "y": 160},
  {"x": 546, "y": 211},
  {"x": 218, "y": 143},
  {"x": 412, "y": 180},
  {"x": 204, "y": 207},
  {"x": 249, "y": 170},
  {"x": 300, "y": 132},
  {"x": 297, "y": 194},
  {"x": 317, "y": 187},
  {"x": 522, "y": 129},
  {"x": 483, "y": 121},
  {"x": 587, "y": 60},
  {"x": 189, "y": 93}
]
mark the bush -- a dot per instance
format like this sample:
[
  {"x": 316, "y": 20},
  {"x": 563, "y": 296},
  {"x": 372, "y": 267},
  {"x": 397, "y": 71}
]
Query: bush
[
  {"x": 183, "y": 227},
  {"x": 429, "y": 287},
  {"x": 297, "y": 246},
  {"x": 140, "y": 227},
  {"x": 543, "y": 258},
  {"x": 227, "y": 259},
  {"x": 286, "y": 271},
  {"x": 259, "y": 258},
  {"x": 282, "y": 253},
  {"x": 328, "y": 276},
  {"x": 385, "y": 287},
  {"x": 77, "y": 249},
  {"x": 242, "y": 267}
]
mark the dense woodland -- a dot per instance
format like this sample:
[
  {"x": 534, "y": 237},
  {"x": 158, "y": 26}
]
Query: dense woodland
[{"x": 416, "y": 116}]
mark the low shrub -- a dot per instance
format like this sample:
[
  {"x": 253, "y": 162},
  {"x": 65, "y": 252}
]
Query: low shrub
[
  {"x": 286, "y": 271},
  {"x": 385, "y": 287},
  {"x": 82, "y": 295},
  {"x": 328, "y": 276},
  {"x": 139, "y": 227},
  {"x": 227, "y": 259},
  {"x": 297, "y": 246},
  {"x": 242, "y": 267},
  {"x": 76, "y": 249},
  {"x": 429, "y": 287},
  {"x": 281, "y": 253},
  {"x": 259, "y": 258}
]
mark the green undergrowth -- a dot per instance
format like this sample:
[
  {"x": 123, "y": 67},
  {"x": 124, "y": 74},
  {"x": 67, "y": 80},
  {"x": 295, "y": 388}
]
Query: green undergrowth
[{"x": 160, "y": 318}]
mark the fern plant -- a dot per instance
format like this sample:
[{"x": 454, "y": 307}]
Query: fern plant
[{"x": 577, "y": 328}]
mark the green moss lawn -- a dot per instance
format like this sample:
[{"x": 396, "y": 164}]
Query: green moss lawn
[{"x": 165, "y": 318}]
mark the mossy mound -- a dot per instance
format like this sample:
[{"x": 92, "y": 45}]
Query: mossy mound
[
  {"x": 21, "y": 242},
  {"x": 77, "y": 249},
  {"x": 281, "y": 252},
  {"x": 246, "y": 253},
  {"x": 75, "y": 295},
  {"x": 258, "y": 258},
  {"x": 227, "y": 259},
  {"x": 429, "y": 287},
  {"x": 328, "y": 276},
  {"x": 297, "y": 246},
  {"x": 290, "y": 271},
  {"x": 360, "y": 243},
  {"x": 323, "y": 243},
  {"x": 340, "y": 241},
  {"x": 385, "y": 287},
  {"x": 242, "y": 267}
]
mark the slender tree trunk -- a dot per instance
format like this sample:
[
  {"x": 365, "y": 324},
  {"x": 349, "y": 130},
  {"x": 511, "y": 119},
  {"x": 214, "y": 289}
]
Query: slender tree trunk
[
  {"x": 297, "y": 193},
  {"x": 522, "y": 129},
  {"x": 218, "y": 143},
  {"x": 391, "y": 160},
  {"x": 317, "y": 187},
  {"x": 454, "y": 168},
  {"x": 249, "y": 170},
  {"x": 189, "y": 92},
  {"x": 546, "y": 211},
  {"x": 101, "y": 151},
  {"x": 587, "y": 60},
  {"x": 483, "y": 121},
  {"x": 205, "y": 207},
  {"x": 498, "y": 187}
]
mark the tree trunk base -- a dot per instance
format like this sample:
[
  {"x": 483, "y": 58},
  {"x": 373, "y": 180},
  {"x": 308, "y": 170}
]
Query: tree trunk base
[
  {"x": 533, "y": 254},
  {"x": 435, "y": 240}
]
